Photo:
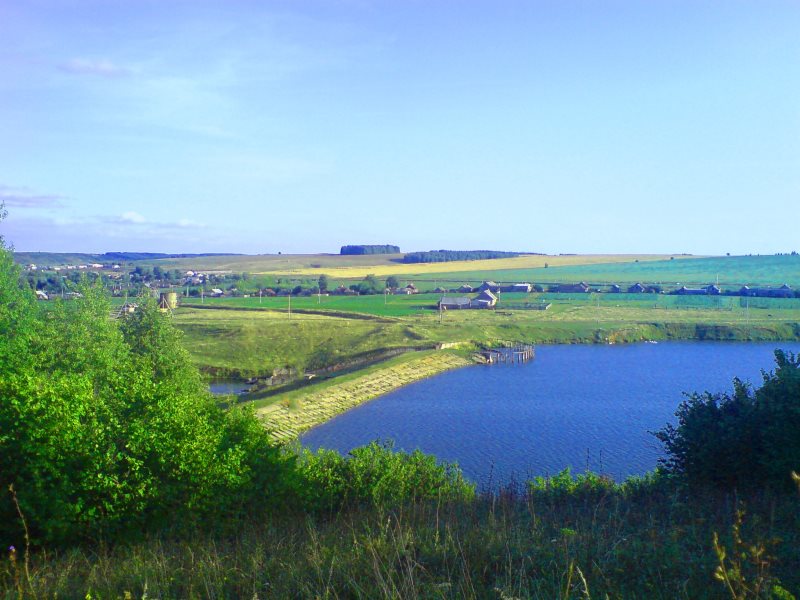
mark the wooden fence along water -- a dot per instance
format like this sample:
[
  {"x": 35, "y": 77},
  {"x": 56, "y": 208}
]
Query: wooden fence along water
[{"x": 519, "y": 354}]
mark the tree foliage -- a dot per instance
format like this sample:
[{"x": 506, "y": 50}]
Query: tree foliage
[
  {"x": 361, "y": 249},
  {"x": 106, "y": 428},
  {"x": 451, "y": 255},
  {"x": 744, "y": 440}
]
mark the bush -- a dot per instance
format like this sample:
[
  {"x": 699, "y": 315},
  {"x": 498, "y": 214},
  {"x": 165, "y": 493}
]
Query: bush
[
  {"x": 107, "y": 430},
  {"x": 375, "y": 474},
  {"x": 747, "y": 440}
]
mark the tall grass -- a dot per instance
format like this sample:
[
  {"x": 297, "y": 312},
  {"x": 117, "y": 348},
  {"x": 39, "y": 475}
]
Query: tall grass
[{"x": 560, "y": 538}]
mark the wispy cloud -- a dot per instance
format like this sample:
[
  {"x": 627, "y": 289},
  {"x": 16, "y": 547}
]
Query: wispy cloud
[
  {"x": 99, "y": 67},
  {"x": 133, "y": 219},
  {"x": 25, "y": 198}
]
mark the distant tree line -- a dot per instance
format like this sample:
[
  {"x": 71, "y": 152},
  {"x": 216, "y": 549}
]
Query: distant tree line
[
  {"x": 360, "y": 249},
  {"x": 451, "y": 255}
]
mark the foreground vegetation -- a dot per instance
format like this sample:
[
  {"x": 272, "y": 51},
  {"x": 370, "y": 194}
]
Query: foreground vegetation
[
  {"x": 122, "y": 477},
  {"x": 595, "y": 541}
]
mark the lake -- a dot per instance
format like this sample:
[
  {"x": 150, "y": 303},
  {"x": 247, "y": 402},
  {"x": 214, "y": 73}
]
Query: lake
[
  {"x": 223, "y": 387},
  {"x": 572, "y": 406}
]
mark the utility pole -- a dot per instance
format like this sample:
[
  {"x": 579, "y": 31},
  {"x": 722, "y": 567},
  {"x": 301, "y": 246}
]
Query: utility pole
[
  {"x": 259, "y": 295},
  {"x": 290, "y": 305}
]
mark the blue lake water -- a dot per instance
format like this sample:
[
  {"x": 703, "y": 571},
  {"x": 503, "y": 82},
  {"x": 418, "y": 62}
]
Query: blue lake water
[
  {"x": 572, "y": 406},
  {"x": 227, "y": 386}
]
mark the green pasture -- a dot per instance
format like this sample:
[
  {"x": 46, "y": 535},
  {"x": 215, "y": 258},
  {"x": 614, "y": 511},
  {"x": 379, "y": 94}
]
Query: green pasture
[
  {"x": 249, "y": 342},
  {"x": 239, "y": 335},
  {"x": 378, "y": 305},
  {"x": 731, "y": 271}
]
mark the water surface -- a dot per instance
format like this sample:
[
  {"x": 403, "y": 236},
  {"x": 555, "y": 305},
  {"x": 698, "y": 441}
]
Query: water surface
[{"x": 573, "y": 406}]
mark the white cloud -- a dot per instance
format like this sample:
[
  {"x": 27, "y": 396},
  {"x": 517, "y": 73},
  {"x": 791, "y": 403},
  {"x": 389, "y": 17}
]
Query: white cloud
[
  {"x": 100, "y": 67},
  {"x": 132, "y": 217},
  {"x": 188, "y": 223},
  {"x": 25, "y": 198}
]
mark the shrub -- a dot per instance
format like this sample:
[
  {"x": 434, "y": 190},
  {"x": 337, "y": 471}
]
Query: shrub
[
  {"x": 376, "y": 474},
  {"x": 748, "y": 439}
]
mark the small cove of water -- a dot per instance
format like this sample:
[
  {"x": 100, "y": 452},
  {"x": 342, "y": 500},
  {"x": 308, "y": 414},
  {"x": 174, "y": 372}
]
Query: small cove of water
[
  {"x": 573, "y": 406},
  {"x": 221, "y": 387}
]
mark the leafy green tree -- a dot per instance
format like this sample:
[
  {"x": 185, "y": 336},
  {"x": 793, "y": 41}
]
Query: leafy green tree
[
  {"x": 392, "y": 282},
  {"x": 745, "y": 440},
  {"x": 323, "y": 283},
  {"x": 106, "y": 428}
]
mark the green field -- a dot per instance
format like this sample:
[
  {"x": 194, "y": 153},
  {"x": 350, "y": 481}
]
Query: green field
[
  {"x": 730, "y": 271},
  {"x": 243, "y": 335}
]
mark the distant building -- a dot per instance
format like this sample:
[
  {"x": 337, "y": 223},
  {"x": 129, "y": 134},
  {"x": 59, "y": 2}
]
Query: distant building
[
  {"x": 614, "y": 289},
  {"x": 637, "y": 288},
  {"x": 466, "y": 289},
  {"x": 410, "y": 289},
  {"x": 490, "y": 286},
  {"x": 518, "y": 287},
  {"x": 709, "y": 290},
  {"x": 216, "y": 292},
  {"x": 40, "y": 295},
  {"x": 574, "y": 288},
  {"x": 485, "y": 299},
  {"x": 767, "y": 292},
  {"x": 454, "y": 303}
]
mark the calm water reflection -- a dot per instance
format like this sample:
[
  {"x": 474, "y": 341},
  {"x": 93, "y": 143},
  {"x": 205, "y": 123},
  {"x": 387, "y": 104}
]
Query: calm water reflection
[{"x": 571, "y": 406}]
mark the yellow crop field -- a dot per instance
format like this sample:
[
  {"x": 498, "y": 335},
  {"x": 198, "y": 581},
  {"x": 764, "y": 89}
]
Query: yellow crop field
[
  {"x": 527, "y": 261},
  {"x": 383, "y": 265}
]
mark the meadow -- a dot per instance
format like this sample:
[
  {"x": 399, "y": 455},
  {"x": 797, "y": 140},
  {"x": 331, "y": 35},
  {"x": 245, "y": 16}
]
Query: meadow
[{"x": 249, "y": 336}]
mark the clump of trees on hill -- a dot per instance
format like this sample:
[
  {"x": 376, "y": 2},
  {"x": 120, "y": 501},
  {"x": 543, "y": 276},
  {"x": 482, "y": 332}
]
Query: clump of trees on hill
[
  {"x": 359, "y": 249},
  {"x": 451, "y": 255}
]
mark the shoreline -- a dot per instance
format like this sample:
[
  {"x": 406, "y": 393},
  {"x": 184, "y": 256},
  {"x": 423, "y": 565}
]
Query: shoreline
[
  {"x": 290, "y": 414},
  {"x": 297, "y": 412}
]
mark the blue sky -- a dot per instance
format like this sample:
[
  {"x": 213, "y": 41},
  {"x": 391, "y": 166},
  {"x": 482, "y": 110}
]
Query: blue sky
[{"x": 258, "y": 127}]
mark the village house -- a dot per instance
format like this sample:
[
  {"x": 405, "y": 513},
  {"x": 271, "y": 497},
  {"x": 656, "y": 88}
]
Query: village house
[
  {"x": 637, "y": 288},
  {"x": 410, "y": 289},
  {"x": 454, "y": 303},
  {"x": 485, "y": 299},
  {"x": 490, "y": 286},
  {"x": 40, "y": 295},
  {"x": 518, "y": 287},
  {"x": 709, "y": 290},
  {"x": 466, "y": 289},
  {"x": 574, "y": 288},
  {"x": 767, "y": 292}
]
